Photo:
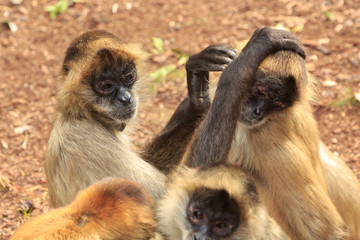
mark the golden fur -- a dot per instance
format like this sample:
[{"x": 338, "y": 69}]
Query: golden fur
[
  {"x": 110, "y": 209},
  {"x": 182, "y": 184},
  {"x": 283, "y": 155},
  {"x": 343, "y": 188},
  {"x": 84, "y": 145},
  {"x": 342, "y": 185}
]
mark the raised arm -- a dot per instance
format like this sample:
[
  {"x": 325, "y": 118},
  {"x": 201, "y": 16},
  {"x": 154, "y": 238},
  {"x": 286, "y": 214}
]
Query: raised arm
[
  {"x": 166, "y": 150},
  {"x": 213, "y": 140}
]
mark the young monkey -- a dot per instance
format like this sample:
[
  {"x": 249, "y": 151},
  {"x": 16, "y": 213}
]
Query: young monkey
[
  {"x": 110, "y": 209},
  {"x": 214, "y": 202}
]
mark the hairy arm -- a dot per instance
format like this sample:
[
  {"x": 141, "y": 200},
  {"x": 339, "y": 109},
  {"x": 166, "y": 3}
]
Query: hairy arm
[
  {"x": 213, "y": 140},
  {"x": 166, "y": 150}
]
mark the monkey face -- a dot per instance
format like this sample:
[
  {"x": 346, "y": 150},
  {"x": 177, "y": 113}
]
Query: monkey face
[
  {"x": 212, "y": 214},
  {"x": 112, "y": 80},
  {"x": 99, "y": 77},
  {"x": 211, "y": 203},
  {"x": 270, "y": 94}
]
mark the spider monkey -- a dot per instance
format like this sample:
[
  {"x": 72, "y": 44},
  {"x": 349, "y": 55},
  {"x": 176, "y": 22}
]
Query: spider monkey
[
  {"x": 214, "y": 202},
  {"x": 110, "y": 209},
  {"x": 275, "y": 140},
  {"x": 100, "y": 86}
]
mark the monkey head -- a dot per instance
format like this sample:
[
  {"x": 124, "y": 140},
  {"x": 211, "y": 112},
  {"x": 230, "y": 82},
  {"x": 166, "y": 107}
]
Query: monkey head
[
  {"x": 278, "y": 84},
  {"x": 212, "y": 214},
  {"x": 100, "y": 78},
  {"x": 216, "y": 202}
]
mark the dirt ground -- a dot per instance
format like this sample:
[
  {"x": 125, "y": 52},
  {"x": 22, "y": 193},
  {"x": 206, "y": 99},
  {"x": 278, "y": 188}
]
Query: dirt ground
[{"x": 30, "y": 59}]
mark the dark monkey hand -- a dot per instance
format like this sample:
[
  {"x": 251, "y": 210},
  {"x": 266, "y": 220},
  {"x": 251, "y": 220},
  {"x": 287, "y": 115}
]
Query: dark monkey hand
[{"x": 212, "y": 58}]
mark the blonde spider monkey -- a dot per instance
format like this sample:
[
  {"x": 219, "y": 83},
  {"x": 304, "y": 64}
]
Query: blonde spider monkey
[
  {"x": 110, "y": 209},
  {"x": 214, "y": 202},
  {"x": 100, "y": 86},
  {"x": 261, "y": 120},
  {"x": 343, "y": 188}
]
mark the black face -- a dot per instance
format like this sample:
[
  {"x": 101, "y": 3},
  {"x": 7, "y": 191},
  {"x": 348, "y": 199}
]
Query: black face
[
  {"x": 112, "y": 80},
  {"x": 269, "y": 94},
  {"x": 213, "y": 214}
]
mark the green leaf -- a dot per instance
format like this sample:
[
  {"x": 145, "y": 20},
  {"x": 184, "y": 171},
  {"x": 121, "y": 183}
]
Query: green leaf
[
  {"x": 158, "y": 45},
  {"x": 329, "y": 15},
  {"x": 161, "y": 73},
  {"x": 182, "y": 57},
  {"x": 281, "y": 26},
  {"x": 59, "y": 7}
]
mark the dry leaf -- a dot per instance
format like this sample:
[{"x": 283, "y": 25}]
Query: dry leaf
[
  {"x": 357, "y": 96},
  {"x": 329, "y": 83},
  {"x": 4, "y": 144},
  {"x": 21, "y": 129},
  {"x": 114, "y": 8}
]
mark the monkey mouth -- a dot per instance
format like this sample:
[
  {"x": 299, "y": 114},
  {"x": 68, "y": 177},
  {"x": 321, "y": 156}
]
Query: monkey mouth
[
  {"x": 251, "y": 122},
  {"x": 124, "y": 114}
]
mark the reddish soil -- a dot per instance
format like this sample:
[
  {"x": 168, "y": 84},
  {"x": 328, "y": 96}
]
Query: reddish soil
[{"x": 31, "y": 57}]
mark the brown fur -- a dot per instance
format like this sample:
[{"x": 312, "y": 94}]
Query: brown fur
[
  {"x": 255, "y": 223},
  {"x": 110, "y": 209},
  {"x": 282, "y": 154},
  {"x": 84, "y": 145},
  {"x": 341, "y": 183}
]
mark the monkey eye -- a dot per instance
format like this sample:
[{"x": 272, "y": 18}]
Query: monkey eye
[
  {"x": 105, "y": 87},
  {"x": 66, "y": 69},
  {"x": 129, "y": 78},
  {"x": 197, "y": 216},
  {"x": 221, "y": 225}
]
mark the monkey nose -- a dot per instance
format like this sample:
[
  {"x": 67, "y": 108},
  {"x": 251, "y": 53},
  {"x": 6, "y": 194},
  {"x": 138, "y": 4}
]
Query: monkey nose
[
  {"x": 125, "y": 97},
  {"x": 257, "y": 113}
]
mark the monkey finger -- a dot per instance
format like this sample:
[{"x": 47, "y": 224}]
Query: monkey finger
[
  {"x": 293, "y": 45},
  {"x": 224, "y": 50},
  {"x": 221, "y": 60},
  {"x": 219, "y": 54},
  {"x": 219, "y": 48},
  {"x": 217, "y": 64},
  {"x": 198, "y": 89},
  {"x": 214, "y": 67}
]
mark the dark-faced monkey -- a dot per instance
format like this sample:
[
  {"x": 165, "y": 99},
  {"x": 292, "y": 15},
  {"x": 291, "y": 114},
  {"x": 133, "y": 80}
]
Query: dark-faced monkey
[
  {"x": 99, "y": 89},
  {"x": 214, "y": 202},
  {"x": 110, "y": 209},
  {"x": 261, "y": 119}
]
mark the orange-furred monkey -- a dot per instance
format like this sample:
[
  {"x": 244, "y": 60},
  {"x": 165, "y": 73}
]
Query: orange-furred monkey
[{"x": 109, "y": 210}]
